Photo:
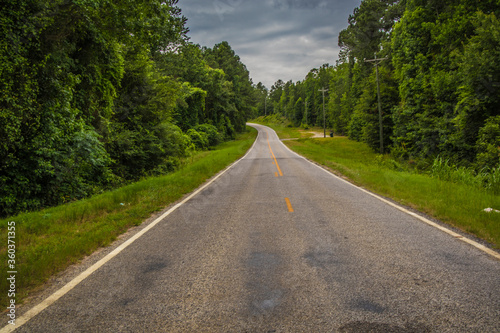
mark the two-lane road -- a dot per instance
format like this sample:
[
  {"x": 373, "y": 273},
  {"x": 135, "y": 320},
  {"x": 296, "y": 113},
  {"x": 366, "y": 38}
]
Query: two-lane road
[{"x": 277, "y": 244}]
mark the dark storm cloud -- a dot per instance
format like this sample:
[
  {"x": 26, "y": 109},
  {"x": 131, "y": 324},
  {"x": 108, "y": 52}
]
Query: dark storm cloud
[{"x": 276, "y": 39}]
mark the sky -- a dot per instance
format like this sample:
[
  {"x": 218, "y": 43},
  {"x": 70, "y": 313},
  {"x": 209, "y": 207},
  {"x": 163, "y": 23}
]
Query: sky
[{"x": 275, "y": 39}]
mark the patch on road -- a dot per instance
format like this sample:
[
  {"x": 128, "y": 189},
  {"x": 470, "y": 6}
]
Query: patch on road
[{"x": 365, "y": 327}]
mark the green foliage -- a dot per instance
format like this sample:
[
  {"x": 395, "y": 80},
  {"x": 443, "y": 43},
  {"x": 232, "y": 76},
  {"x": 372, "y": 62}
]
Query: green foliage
[
  {"x": 143, "y": 138},
  {"x": 439, "y": 82},
  {"x": 438, "y": 56},
  {"x": 298, "y": 111},
  {"x": 479, "y": 90},
  {"x": 213, "y": 137},
  {"x": 364, "y": 125},
  {"x": 274, "y": 119},
  {"x": 340, "y": 102},
  {"x": 199, "y": 139},
  {"x": 368, "y": 26},
  {"x": 88, "y": 101},
  {"x": 488, "y": 144},
  {"x": 487, "y": 178},
  {"x": 260, "y": 99},
  {"x": 49, "y": 153},
  {"x": 190, "y": 107},
  {"x": 218, "y": 90},
  {"x": 351, "y": 102},
  {"x": 240, "y": 101},
  {"x": 442, "y": 169},
  {"x": 136, "y": 153}
]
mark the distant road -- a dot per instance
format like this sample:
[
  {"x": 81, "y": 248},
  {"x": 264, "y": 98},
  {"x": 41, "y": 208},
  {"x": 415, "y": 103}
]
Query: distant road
[{"x": 277, "y": 244}]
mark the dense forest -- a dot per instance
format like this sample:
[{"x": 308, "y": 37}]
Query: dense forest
[
  {"x": 99, "y": 93},
  {"x": 439, "y": 82}
]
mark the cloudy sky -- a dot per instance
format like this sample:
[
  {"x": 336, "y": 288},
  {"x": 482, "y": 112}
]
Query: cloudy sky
[{"x": 275, "y": 39}]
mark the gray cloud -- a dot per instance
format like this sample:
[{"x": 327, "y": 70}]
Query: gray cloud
[
  {"x": 310, "y": 4},
  {"x": 276, "y": 39}
]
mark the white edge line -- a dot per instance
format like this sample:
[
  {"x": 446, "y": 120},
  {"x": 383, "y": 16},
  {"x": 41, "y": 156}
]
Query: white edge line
[
  {"x": 404, "y": 210},
  {"x": 73, "y": 283}
]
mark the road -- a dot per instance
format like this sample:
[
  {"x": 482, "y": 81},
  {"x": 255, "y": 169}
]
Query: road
[{"x": 276, "y": 244}]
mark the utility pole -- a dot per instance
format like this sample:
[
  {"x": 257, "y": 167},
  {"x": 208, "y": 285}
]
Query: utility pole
[
  {"x": 265, "y": 104},
  {"x": 306, "y": 110},
  {"x": 376, "y": 62},
  {"x": 324, "y": 116}
]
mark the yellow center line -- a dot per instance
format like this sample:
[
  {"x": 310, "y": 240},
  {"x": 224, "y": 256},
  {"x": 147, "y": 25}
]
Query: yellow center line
[
  {"x": 289, "y": 204},
  {"x": 276, "y": 174},
  {"x": 275, "y": 161}
]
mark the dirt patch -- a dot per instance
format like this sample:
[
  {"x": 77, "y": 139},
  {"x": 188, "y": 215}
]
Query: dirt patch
[{"x": 318, "y": 134}]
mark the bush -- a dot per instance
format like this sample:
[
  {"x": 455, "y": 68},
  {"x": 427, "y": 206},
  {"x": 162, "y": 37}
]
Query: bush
[
  {"x": 169, "y": 164},
  {"x": 488, "y": 144},
  {"x": 52, "y": 171},
  {"x": 137, "y": 153},
  {"x": 226, "y": 129},
  {"x": 172, "y": 142},
  {"x": 200, "y": 140},
  {"x": 213, "y": 136}
]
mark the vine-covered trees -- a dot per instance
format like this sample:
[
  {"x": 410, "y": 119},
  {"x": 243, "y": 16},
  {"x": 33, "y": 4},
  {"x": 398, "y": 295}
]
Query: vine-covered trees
[{"x": 97, "y": 93}]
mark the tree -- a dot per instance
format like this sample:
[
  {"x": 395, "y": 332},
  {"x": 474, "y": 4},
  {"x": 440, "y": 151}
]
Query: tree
[
  {"x": 62, "y": 67},
  {"x": 479, "y": 91},
  {"x": 426, "y": 46},
  {"x": 298, "y": 111},
  {"x": 224, "y": 58},
  {"x": 260, "y": 99}
]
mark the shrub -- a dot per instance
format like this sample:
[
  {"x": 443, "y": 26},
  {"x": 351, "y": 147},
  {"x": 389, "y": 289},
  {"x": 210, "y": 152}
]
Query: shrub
[
  {"x": 136, "y": 153},
  {"x": 488, "y": 144},
  {"x": 487, "y": 178},
  {"x": 213, "y": 136},
  {"x": 200, "y": 140}
]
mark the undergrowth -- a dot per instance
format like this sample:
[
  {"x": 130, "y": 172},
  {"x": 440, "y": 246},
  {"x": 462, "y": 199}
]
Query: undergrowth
[{"x": 487, "y": 178}]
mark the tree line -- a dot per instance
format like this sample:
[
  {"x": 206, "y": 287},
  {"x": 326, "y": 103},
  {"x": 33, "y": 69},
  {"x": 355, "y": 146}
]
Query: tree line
[
  {"x": 98, "y": 93},
  {"x": 439, "y": 86}
]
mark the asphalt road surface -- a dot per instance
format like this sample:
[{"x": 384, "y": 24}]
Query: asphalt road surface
[{"x": 278, "y": 245}]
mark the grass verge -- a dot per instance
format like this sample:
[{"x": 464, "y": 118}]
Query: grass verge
[
  {"x": 283, "y": 126},
  {"x": 459, "y": 205},
  {"x": 50, "y": 240}
]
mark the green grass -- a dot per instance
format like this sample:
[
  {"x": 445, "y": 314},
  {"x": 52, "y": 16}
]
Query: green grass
[
  {"x": 50, "y": 240},
  {"x": 284, "y": 127},
  {"x": 455, "y": 203}
]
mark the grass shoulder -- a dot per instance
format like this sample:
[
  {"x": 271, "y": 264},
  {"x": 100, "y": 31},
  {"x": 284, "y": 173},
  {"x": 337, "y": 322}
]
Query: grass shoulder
[
  {"x": 457, "y": 204},
  {"x": 285, "y": 128},
  {"x": 50, "y": 240}
]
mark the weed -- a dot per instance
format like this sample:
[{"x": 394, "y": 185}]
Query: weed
[{"x": 487, "y": 179}]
